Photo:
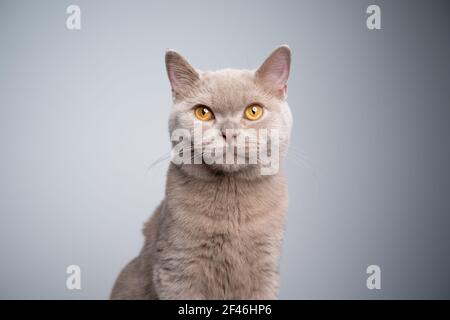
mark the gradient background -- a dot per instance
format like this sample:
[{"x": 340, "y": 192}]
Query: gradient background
[{"x": 84, "y": 113}]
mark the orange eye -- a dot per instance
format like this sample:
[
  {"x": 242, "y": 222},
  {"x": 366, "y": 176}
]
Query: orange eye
[
  {"x": 203, "y": 113},
  {"x": 253, "y": 112}
]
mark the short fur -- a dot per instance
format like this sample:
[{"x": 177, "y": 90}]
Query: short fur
[{"x": 217, "y": 234}]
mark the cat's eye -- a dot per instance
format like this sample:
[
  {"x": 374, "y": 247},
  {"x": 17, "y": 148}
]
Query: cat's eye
[
  {"x": 203, "y": 113},
  {"x": 253, "y": 112}
]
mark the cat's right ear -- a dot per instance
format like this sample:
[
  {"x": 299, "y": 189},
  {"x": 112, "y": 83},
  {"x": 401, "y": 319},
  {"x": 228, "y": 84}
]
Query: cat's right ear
[{"x": 182, "y": 75}]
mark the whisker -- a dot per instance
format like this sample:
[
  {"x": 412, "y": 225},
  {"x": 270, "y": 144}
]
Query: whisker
[{"x": 162, "y": 158}]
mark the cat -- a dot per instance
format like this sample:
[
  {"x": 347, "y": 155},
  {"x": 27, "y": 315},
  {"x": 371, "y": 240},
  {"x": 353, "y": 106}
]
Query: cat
[{"x": 218, "y": 232}]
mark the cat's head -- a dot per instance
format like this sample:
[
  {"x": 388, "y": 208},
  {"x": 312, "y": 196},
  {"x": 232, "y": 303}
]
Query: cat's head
[{"x": 241, "y": 113}]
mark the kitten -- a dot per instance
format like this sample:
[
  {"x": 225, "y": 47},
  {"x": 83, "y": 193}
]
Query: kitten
[{"x": 217, "y": 234}]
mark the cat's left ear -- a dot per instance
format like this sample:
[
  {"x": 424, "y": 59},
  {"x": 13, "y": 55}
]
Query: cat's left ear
[{"x": 274, "y": 72}]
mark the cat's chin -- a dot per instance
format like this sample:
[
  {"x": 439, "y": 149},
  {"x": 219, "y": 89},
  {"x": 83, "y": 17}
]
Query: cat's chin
[
  {"x": 227, "y": 168},
  {"x": 204, "y": 171}
]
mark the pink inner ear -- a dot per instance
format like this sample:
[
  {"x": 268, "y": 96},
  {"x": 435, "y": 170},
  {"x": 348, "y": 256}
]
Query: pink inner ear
[
  {"x": 281, "y": 75},
  {"x": 178, "y": 77},
  {"x": 173, "y": 79},
  {"x": 276, "y": 76}
]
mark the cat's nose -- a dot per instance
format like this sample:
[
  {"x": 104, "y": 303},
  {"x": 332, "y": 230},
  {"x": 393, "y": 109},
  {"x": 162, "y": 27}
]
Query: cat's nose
[{"x": 229, "y": 134}]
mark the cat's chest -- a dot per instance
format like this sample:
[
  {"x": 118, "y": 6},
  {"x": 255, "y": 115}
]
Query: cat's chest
[
  {"x": 226, "y": 198},
  {"x": 232, "y": 265},
  {"x": 233, "y": 204}
]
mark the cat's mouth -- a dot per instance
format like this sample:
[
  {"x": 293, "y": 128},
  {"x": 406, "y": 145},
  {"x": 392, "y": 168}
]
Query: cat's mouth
[
  {"x": 229, "y": 157},
  {"x": 233, "y": 161}
]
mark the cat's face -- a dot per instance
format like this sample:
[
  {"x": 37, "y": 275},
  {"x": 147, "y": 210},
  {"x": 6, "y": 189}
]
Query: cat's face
[{"x": 231, "y": 111}]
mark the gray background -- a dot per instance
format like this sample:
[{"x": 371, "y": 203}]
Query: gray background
[{"x": 84, "y": 113}]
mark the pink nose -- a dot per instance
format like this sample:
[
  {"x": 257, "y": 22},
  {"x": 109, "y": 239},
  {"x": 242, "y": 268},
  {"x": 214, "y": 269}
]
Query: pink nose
[{"x": 229, "y": 134}]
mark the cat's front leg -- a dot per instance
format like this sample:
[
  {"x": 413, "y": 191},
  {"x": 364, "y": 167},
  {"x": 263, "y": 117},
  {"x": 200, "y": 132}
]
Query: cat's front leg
[
  {"x": 176, "y": 285},
  {"x": 267, "y": 294},
  {"x": 268, "y": 288}
]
